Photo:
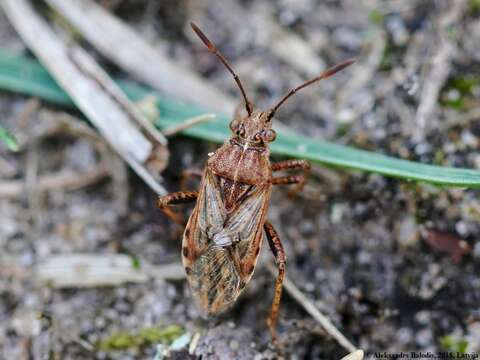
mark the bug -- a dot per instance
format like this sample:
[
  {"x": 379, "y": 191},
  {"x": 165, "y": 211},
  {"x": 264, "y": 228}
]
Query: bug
[{"x": 224, "y": 234}]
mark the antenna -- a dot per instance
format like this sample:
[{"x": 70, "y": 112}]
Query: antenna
[
  {"x": 213, "y": 49},
  {"x": 326, "y": 74}
]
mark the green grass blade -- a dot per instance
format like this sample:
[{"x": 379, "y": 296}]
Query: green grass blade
[
  {"x": 27, "y": 76},
  {"x": 8, "y": 139}
]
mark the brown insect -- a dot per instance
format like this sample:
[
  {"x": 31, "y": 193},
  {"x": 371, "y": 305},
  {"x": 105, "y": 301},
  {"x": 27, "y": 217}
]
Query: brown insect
[{"x": 224, "y": 233}]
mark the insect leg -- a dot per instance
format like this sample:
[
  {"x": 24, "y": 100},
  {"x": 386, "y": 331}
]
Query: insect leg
[
  {"x": 291, "y": 164},
  {"x": 180, "y": 197},
  {"x": 292, "y": 179},
  {"x": 280, "y": 258}
]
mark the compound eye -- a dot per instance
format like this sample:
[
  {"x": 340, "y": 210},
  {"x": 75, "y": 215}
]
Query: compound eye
[
  {"x": 269, "y": 135},
  {"x": 240, "y": 131}
]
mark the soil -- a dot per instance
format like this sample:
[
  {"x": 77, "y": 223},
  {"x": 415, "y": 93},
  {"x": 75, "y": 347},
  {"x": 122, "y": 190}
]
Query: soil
[{"x": 394, "y": 264}]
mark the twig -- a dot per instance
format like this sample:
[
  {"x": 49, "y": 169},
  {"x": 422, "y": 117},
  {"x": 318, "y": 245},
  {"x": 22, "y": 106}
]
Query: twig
[
  {"x": 89, "y": 66},
  {"x": 194, "y": 343},
  {"x": 94, "y": 270},
  {"x": 172, "y": 271},
  {"x": 439, "y": 67},
  {"x": 99, "y": 106},
  {"x": 188, "y": 123},
  {"x": 309, "y": 307},
  {"x": 31, "y": 181},
  {"x": 63, "y": 180},
  {"x": 54, "y": 124},
  {"x": 356, "y": 355},
  {"x": 118, "y": 42},
  {"x": 88, "y": 270}
]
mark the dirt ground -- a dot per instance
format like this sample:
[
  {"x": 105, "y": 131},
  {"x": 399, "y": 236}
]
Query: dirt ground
[{"x": 393, "y": 264}]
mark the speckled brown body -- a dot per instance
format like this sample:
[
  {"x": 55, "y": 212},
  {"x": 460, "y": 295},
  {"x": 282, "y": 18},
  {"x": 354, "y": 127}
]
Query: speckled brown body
[{"x": 224, "y": 233}]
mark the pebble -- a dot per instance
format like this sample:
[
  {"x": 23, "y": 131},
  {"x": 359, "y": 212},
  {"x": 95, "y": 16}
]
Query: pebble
[
  {"x": 476, "y": 161},
  {"x": 8, "y": 227},
  {"x": 462, "y": 228},
  {"x": 234, "y": 345},
  {"x": 473, "y": 336},
  {"x": 27, "y": 323},
  {"x": 337, "y": 212},
  {"x": 476, "y": 250},
  {"x": 422, "y": 148},
  {"x": 404, "y": 335},
  {"x": 397, "y": 29},
  {"x": 347, "y": 38},
  {"x": 407, "y": 231},
  {"x": 181, "y": 342},
  {"x": 423, "y": 317},
  {"x": 345, "y": 116},
  {"x": 424, "y": 337},
  {"x": 470, "y": 140}
]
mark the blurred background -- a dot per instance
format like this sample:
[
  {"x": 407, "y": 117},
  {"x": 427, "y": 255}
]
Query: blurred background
[{"x": 393, "y": 264}]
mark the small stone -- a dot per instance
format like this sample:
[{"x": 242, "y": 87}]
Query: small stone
[
  {"x": 453, "y": 95},
  {"x": 473, "y": 334},
  {"x": 476, "y": 250},
  {"x": 424, "y": 337},
  {"x": 468, "y": 139},
  {"x": 462, "y": 228},
  {"x": 234, "y": 345},
  {"x": 345, "y": 116},
  {"x": 309, "y": 287},
  {"x": 404, "y": 335},
  {"x": 476, "y": 161},
  {"x": 347, "y": 38},
  {"x": 181, "y": 342},
  {"x": 337, "y": 212},
  {"x": 407, "y": 231},
  {"x": 27, "y": 323},
  {"x": 397, "y": 28},
  {"x": 422, "y": 148},
  {"x": 423, "y": 317},
  {"x": 364, "y": 257}
]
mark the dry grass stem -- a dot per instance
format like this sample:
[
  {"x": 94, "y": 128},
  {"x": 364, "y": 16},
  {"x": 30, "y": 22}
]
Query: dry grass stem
[
  {"x": 188, "y": 123},
  {"x": 439, "y": 67},
  {"x": 309, "y": 307},
  {"x": 148, "y": 64},
  {"x": 90, "y": 96},
  {"x": 87, "y": 64}
]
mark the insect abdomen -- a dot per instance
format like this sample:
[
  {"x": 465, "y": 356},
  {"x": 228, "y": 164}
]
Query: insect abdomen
[
  {"x": 220, "y": 246},
  {"x": 214, "y": 280}
]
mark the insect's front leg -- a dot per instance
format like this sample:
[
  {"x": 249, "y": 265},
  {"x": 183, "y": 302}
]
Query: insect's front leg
[
  {"x": 179, "y": 197},
  {"x": 298, "y": 179},
  {"x": 281, "y": 259}
]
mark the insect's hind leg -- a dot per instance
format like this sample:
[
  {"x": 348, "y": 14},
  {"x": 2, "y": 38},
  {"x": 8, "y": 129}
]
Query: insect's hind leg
[
  {"x": 299, "y": 179},
  {"x": 179, "y": 197},
  {"x": 281, "y": 259}
]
